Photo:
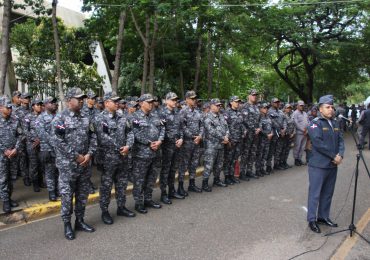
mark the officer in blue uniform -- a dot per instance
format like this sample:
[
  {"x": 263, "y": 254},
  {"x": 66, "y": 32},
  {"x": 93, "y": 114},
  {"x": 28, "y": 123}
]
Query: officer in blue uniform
[{"x": 327, "y": 154}]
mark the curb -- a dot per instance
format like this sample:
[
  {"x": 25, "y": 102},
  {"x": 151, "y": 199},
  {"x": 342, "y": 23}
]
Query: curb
[{"x": 38, "y": 211}]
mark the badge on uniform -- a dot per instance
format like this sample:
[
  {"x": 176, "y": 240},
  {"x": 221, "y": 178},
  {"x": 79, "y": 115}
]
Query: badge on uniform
[{"x": 313, "y": 126}]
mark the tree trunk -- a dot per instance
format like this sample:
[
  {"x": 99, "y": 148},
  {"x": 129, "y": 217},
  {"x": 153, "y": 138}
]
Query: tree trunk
[
  {"x": 181, "y": 75},
  {"x": 218, "y": 74},
  {"x": 117, "y": 60},
  {"x": 57, "y": 51},
  {"x": 210, "y": 64},
  {"x": 152, "y": 55},
  {"x": 4, "y": 61},
  {"x": 198, "y": 57}
]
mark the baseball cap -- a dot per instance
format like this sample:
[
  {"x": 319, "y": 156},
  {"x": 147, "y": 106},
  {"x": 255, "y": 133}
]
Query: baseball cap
[
  {"x": 274, "y": 100},
  {"x": 146, "y": 97},
  {"x": 75, "y": 93},
  {"x": 235, "y": 99},
  {"x": 171, "y": 95},
  {"x": 190, "y": 94},
  {"x": 215, "y": 101},
  {"x": 111, "y": 96}
]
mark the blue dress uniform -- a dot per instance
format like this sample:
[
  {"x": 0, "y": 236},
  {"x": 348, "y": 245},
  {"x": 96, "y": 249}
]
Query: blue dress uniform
[{"x": 327, "y": 142}]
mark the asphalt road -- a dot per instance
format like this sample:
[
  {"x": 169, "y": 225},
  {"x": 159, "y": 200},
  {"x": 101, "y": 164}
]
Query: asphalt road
[{"x": 260, "y": 219}]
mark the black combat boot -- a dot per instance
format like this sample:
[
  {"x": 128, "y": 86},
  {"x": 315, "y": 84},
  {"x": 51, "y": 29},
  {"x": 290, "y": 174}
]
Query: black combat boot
[
  {"x": 217, "y": 182},
  {"x": 27, "y": 181},
  {"x": 250, "y": 174},
  {"x": 68, "y": 231},
  {"x": 139, "y": 207},
  {"x": 192, "y": 187},
  {"x": 259, "y": 174},
  {"x": 52, "y": 196},
  {"x": 205, "y": 186},
  {"x": 264, "y": 172},
  {"x": 234, "y": 179},
  {"x": 82, "y": 226},
  {"x": 172, "y": 194},
  {"x": 13, "y": 203},
  {"x": 268, "y": 170},
  {"x": 297, "y": 162},
  {"x": 106, "y": 218},
  {"x": 181, "y": 191},
  {"x": 123, "y": 211},
  {"x": 164, "y": 198},
  {"x": 278, "y": 167},
  {"x": 152, "y": 204},
  {"x": 36, "y": 186},
  {"x": 243, "y": 177},
  {"x": 6, "y": 206},
  {"x": 228, "y": 180}
]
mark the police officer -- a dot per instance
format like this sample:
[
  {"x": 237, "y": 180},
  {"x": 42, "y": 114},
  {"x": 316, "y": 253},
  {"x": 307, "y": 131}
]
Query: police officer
[
  {"x": 216, "y": 137},
  {"x": 279, "y": 129},
  {"x": 301, "y": 123},
  {"x": 115, "y": 139},
  {"x": 327, "y": 154},
  {"x": 193, "y": 134},
  {"x": 149, "y": 134},
  {"x": 16, "y": 100},
  {"x": 11, "y": 138},
  {"x": 170, "y": 149},
  {"x": 21, "y": 112},
  {"x": 89, "y": 110},
  {"x": 364, "y": 120},
  {"x": 234, "y": 119},
  {"x": 47, "y": 153},
  {"x": 251, "y": 115},
  {"x": 74, "y": 143},
  {"x": 264, "y": 138},
  {"x": 287, "y": 139},
  {"x": 33, "y": 142}
]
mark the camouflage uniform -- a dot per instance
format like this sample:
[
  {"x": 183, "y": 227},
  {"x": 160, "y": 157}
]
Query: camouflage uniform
[
  {"x": 113, "y": 133},
  {"x": 170, "y": 153},
  {"x": 73, "y": 135},
  {"x": 29, "y": 129},
  {"x": 21, "y": 112},
  {"x": 215, "y": 131},
  {"x": 11, "y": 136},
  {"x": 276, "y": 145},
  {"x": 146, "y": 162},
  {"x": 251, "y": 116},
  {"x": 287, "y": 139},
  {"x": 234, "y": 119},
  {"x": 192, "y": 121},
  {"x": 47, "y": 153},
  {"x": 265, "y": 124}
]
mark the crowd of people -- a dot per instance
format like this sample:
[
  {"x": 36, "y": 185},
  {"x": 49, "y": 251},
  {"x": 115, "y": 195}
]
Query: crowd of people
[{"x": 139, "y": 139}]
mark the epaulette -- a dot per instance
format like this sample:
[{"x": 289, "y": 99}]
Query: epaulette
[{"x": 315, "y": 119}]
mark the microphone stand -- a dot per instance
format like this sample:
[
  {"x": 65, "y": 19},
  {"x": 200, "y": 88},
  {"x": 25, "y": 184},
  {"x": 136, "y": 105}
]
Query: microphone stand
[{"x": 352, "y": 228}]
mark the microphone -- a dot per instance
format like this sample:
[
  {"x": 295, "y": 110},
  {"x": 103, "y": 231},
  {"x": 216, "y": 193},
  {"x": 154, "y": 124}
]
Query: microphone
[{"x": 345, "y": 118}]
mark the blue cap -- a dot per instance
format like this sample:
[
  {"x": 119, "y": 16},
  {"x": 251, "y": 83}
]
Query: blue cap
[{"x": 327, "y": 99}]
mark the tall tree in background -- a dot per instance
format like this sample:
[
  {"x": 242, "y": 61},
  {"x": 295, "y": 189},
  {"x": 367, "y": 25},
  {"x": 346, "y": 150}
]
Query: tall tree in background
[
  {"x": 4, "y": 55},
  {"x": 117, "y": 60},
  {"x": 37, "y": 7},
  {"x": 57, "y": 51}
]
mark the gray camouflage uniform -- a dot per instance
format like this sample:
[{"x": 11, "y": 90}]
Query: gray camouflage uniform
[
  {"x": 146, "y": 162},
  {"x": 47, "y": 153},
  {"x": 265, "y": 124},
  {"x": 113, "y": 133},
  {"x": 251, "y": 116},
  {"x": 192, "y": 121},
  {"x": 287, "y": 139},
  {"x": 276, "y": 145},
  {"x": 11, "y": 136},
  {"x": 215, "y": 130},
  {"x": 170, "y": 153},
  {"x": 234, "y": 119},
  {"x": 73, "y": 135}
]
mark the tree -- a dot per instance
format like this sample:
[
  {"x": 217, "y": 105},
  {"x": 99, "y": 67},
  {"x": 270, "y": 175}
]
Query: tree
[
  {"x": 302, "y": 36},
  {"x": 37, "y": 7}
]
